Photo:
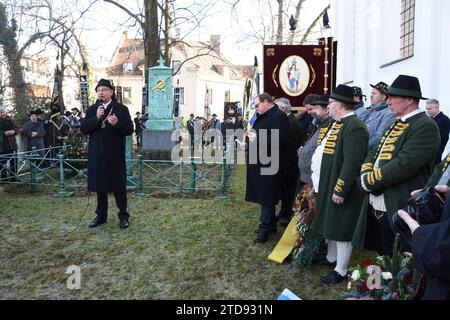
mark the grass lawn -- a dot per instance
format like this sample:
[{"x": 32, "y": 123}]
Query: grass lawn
[{"x": 176, "y": 248}]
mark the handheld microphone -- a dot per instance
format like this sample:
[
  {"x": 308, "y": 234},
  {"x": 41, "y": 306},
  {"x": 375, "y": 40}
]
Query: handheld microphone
[{"x": 100, "y": 103}]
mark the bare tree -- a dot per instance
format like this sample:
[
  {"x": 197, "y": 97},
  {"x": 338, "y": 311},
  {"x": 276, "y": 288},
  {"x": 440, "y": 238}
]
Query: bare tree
[
  {"x": 9, "y": 41},
  {"x": 296, "y": 17},
  {"x": 148, "y": 22},
  {"x": 280, "y": 22}
]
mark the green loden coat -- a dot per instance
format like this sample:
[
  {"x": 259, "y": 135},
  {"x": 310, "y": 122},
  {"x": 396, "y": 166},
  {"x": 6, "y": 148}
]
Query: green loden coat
[
  {"x": 406, "y": 162},
  {"x": 438, "y": 171},
  {"x": 343, "y": 156}
]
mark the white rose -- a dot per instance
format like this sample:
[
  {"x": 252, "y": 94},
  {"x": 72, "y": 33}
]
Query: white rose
[
  {"x": 356, "y": 275},
  {"x": 386, "y": 275}
]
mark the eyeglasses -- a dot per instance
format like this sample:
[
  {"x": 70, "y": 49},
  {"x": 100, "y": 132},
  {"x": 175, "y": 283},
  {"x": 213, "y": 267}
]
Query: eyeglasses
[{"x": 257, "y": 104}]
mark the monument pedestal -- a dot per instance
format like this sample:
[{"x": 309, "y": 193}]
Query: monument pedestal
[
  {"x": 157, "y": 144},
  {"x": 156, "y": 138}
]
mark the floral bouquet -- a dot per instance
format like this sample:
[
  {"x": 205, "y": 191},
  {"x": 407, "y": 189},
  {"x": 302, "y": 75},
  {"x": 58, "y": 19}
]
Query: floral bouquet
[
  {"x": 384, "y": 279},
  {"x": 307, "y": 242}
]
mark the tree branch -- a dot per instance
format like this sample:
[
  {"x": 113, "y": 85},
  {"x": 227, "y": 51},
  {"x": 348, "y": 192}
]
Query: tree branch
[{"x": 131, "y": 14}]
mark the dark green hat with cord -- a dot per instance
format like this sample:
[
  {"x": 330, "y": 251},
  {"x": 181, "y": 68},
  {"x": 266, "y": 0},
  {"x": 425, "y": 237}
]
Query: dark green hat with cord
[
  {"x": 323, "y": 100},
  {"x": 357, "y": 91},
  {"x": 104, "y": 83},
  {"x": 381, "y": 86},
  {"x": 406, "y": 86},
  {"x": 344, "y": 94}
]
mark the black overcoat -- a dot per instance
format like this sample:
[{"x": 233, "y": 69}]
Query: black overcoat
[
  {"x": 106, "y": 155},
  {"x": 431, "y": 253},
  {"x": 267, "y": 189}
]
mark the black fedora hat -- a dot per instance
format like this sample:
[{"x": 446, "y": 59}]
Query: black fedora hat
[
  {"x": 381, "y": 86},
  {"x": 35, "y": 112},
  {"x": 104, "y": 83},
  {"x": 323, "y": 100},
  {"x": 343, "y": 93},
  {"x": 406, "y": 86}
]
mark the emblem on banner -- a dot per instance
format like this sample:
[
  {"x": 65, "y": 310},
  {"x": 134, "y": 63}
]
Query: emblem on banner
[{"x": 294, "y": 75}]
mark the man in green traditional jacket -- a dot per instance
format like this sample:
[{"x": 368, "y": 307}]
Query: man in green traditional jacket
[
  {"x": 401, "y": 163},
  {"x": 335, "y": 166}
]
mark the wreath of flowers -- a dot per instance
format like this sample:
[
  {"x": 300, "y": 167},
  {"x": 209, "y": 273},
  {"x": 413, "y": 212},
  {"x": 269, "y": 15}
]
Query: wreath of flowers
[{"x": 384, "y": 279}]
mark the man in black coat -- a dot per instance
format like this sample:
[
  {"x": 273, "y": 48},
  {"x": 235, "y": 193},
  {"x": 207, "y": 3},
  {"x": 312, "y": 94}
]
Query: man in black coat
[
  {"x": 138, "y": 129},
  {"x": 107, "y": 123},
  {"x": 266, "y": 161},
  {"x": 191, "y": 129},
  {"x": 443, "y": 123},
  {"x": 431, "y": 251},
  {"x": 296, "y": 139}
]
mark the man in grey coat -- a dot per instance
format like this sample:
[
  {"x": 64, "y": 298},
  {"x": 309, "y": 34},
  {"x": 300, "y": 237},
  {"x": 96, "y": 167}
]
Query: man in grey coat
[{"x": 379, "y": 115}]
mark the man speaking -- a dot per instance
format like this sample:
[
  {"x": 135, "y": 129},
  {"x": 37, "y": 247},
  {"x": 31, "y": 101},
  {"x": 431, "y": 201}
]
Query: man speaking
[{"x": 107, "y": 123}]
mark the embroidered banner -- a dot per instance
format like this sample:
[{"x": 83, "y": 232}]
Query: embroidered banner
[
  {"x": 294, "y": 71},
  {"x": 84, "y": 92}
]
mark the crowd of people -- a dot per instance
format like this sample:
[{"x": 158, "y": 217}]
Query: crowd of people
[
  {"x": 43, "y": 130},
  {"x": 362, "y": 165}
]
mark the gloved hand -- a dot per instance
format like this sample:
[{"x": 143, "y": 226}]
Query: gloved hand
[{"x": 359, "y": 185}]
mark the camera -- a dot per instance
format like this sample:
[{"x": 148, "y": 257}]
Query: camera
[{"x": 425, "y": 207}]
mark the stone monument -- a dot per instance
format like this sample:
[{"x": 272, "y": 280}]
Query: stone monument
[{"x": 156, "y": 138}]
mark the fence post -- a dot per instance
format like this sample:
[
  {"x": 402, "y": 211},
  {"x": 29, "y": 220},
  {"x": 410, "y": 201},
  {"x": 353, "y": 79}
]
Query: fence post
[
  {"x": 62, "y": 186},
  {"x": 193, "y": 176},
  {"x": 139, "y": 187},
  {"x": 181, "y": 175},
  {"x": 33, "y": 169},
  {"x": 223, "y": 168}
]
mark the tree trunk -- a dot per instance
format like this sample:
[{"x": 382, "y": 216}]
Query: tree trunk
[
  {"x": 280, "y": 22},
  {"x": 151, "y": 37},
  {"x": 10, "y": 49},
  {"x": 167, "y": 32},
  {"x": 297, "y": 16}
]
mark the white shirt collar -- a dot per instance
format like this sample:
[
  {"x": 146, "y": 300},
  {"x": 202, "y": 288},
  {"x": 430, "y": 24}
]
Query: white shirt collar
[
  {"x": 105, "y": 105},
  {"x": 411, "y": 114},
  {"x": 348, "y": 115}
]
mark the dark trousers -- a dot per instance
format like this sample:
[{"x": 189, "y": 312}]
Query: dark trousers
[
  {"x": 139, "y": 139},
  {"x": 12, "y": 158},
  {"x": 288, "y": 196},
  {"x": 379, "y": 234},
  {"x": 268, "y": 220},
  {"x": 121, "y": 202}
]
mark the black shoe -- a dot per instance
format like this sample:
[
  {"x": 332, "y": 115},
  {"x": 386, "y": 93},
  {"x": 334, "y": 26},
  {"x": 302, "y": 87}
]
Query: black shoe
[
  {"x": 123, "y": 224},
  {"x": 323, "y": 262},
  {"x": 283, "y": 223},
  {"x": 273, "y": 230},
  {"x": 261, "y": 238},
  {"x": 97, "y": 221},
  {"x": 333, "y": 278}
]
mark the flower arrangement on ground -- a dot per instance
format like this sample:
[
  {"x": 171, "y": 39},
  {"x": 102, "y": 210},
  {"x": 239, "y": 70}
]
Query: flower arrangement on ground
[{"x": 385, "y": 278}]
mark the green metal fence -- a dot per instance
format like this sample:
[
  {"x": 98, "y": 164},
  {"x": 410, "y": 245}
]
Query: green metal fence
[{"x": 50, "y": 168}]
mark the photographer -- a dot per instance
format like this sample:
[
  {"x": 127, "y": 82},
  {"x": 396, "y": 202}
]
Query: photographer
[{"x": 431, "y": 251}]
